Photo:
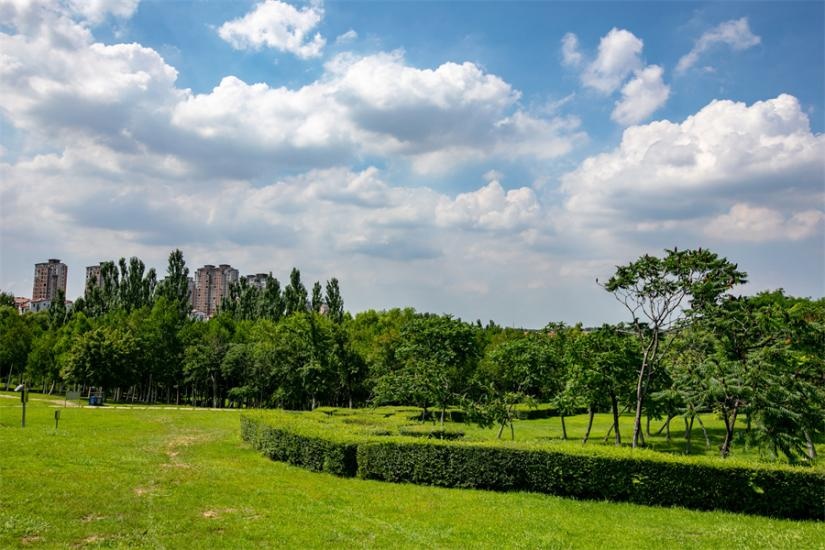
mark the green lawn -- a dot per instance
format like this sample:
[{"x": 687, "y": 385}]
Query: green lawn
[{"x": 155, "y": 477}]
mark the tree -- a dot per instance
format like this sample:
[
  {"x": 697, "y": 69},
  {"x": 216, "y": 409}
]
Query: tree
[
  {"x": 271, "y": 302},
  {"x": 602, "y": 371},
  {"x": 295, "y": 294},
  {"x": 6, "y": 299},
  {"x": 15, "y": 343},
  {"x": 436, "y": 356},
  {"x": 175, "y": 287},
  {"x": 656, "y": 291},
  {"x": 317, "y": 297},
  {"x": 512, "y": 372},
  {"x": 334, "y": 301},
  {"x": 137, "y": 286}
]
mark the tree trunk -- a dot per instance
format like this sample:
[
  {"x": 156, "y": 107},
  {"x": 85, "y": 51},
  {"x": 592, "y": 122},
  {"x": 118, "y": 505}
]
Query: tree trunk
[
  {"x": 443, "y": 410},
  {"x": 501, "y": 429},
  {"x": 214, "y": 392},
  {"x": 664, "y": 426},
  {"x": 730, "y": 423},
  {"x": 563, "y": 428},
  {"x": 647, "y": 360},
  {"x": 809, "y": 444},
  {"x": 591, "y": 414},
  {"x": 688, "y": 433},
  {"x": 614, "y": 404}
]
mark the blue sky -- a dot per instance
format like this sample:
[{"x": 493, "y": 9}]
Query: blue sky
[{"x": 484, "y": 159}]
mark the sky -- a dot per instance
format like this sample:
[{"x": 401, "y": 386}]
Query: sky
[{"x": 489, "y": 160}]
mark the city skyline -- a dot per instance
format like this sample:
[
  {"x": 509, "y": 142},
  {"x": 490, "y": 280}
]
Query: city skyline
[{"x": 489, "y": 160}]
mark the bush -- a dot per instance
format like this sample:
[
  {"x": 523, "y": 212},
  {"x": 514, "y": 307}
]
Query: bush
[
  {"x": 314, "y": 453},
  {"x": 675, "y": 482},
  {"x": 638, "y": 476}
]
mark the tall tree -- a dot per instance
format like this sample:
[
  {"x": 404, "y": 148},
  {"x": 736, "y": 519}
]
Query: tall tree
[
  {"x": 656, "y": 291},
  {"x": 317, "y": 299},
  {"x": 334, "y": 301},
  {"x": 175, "y": 287},
  {"x": 271, "y": 301},
  {"x": 295, "y": 294}
]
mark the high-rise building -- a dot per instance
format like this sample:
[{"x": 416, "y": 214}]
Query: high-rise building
[
  {"x": 211, "y": 285},
  {"x": 49, "y": 277},
  {"x": 257, "y": 280},
  {"x": 93, "y": 276}
]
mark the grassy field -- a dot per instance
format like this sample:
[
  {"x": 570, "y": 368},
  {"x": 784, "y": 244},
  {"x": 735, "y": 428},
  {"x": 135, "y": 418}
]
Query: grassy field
[{"x": 165, "y": 478}]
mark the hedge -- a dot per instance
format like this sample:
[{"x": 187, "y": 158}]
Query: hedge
[
  {"x": 594, "y": 473},
  {"x": 311, "y": 452}
]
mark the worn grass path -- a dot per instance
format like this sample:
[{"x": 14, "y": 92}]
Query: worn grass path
[{"x": 160, "y": 478}]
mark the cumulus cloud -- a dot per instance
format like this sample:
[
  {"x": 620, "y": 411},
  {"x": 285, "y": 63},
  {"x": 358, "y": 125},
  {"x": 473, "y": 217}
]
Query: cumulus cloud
[
  {"x": 125, "y": 95},
  {"x": 620, "y": 53},
  {"x": 727, "y": 153},
  {"x": 641, "y": 97},
  {"x": 570, "y": 54},
  {"x": 759, "y": 224},
  {"x": 277, "y": 25},
  {"x": 735, "y": 33},
  {"x": 619, "y": 65},
  {"x": 490, "y": 207}
]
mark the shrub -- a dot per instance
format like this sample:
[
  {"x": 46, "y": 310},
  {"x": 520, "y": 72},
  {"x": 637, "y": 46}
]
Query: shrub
[
  {"x": 312, "y": 452},
  {"x": 672, "y": 482},
  {"x": 642, "y": 477}
]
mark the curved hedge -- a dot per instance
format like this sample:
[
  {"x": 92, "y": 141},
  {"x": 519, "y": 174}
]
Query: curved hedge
[{"x": 620, "y": 476}]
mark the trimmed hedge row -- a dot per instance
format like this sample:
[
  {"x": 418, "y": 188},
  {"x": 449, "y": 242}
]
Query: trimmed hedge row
[
  {"x": 313, "y": 453},
  {"x": 780, "y": 493},
  {"x": 669, "y": 481}
]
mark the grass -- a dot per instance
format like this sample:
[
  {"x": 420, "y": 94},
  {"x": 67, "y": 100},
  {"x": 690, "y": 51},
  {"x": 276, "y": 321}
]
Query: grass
[{"x": 161, "y": 478}]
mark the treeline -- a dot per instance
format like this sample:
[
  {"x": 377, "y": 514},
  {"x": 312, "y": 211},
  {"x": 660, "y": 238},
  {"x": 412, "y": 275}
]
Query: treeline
[{"x": 689, "y": 348}]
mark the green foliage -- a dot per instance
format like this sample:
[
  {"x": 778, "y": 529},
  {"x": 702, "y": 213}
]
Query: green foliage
[
  {"x": 323, "y": 444},
  {"x": 779, "y": 493},
  {"x": 313, "y": 453}
]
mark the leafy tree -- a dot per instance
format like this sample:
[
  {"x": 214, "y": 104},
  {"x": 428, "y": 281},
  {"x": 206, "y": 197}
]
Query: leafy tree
[
  {"x": 334, "y": 301},
  {"x": 57, "y": 309},
  {"x": 295, "y": 294},
  {"x": 512, "y": 372},
  {"x": 436, "y": 357},
  {"x": 15, "y": 343},
  {"x": 271, "y": 302},
  {"x": 137, "y": 286},
  {"x": 175, "y": 287},
  {"x": 317, "y": 297},
  {"x": 603, "y": 363},
  {"x": 6, "y": 299},
  {"x": 656, "y": 291}
]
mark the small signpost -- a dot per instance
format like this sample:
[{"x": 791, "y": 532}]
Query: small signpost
[{"x": 24, "y": 396}]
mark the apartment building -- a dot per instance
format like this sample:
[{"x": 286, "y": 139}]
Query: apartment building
[
  {"x": 211, "y": 285},
  {"x": 49, "y": 277}
]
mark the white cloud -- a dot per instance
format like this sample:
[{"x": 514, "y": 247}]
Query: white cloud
[
  {"x": 347, "y": 37},
  {"x": 674, "y": 176},
  {"x": 490, "y": 208},
  {"x": 277, "y": 25},
  {"x": 125, "y": 95},
  {"x": 571, "y": 56},
  {"x": 759, "y": 224},
  {"x": 619, "y": 58},
  {"x": 96, "y": 11},
  {"x": 619, "y": 55},
  {"x": 641, "y": 97},
  {"x": 735, "y": 33}
]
